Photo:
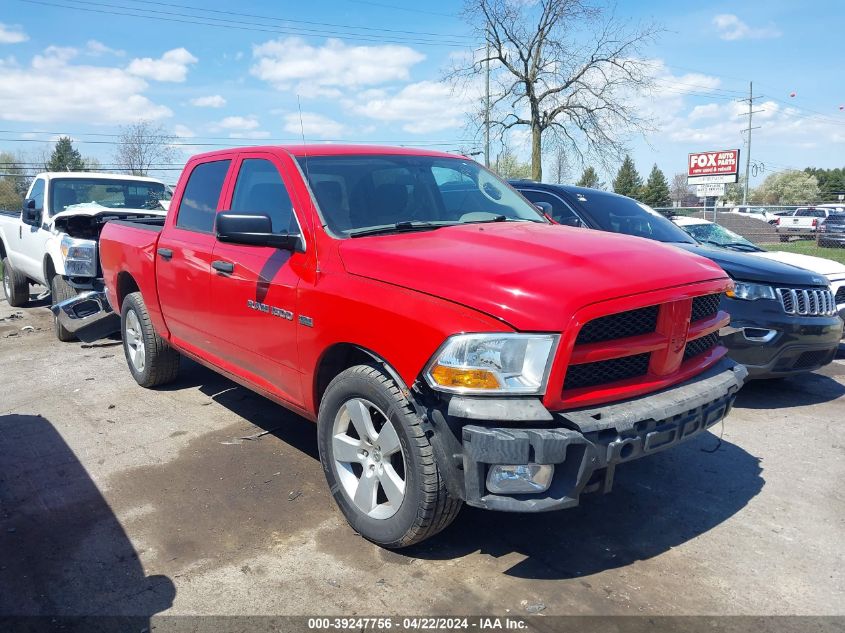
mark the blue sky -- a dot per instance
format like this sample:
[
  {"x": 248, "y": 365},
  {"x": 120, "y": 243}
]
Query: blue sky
[{"x": 371, "y": 71}]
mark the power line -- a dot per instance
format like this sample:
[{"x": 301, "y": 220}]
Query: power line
[
  {"x": 238, "y": 25},
  {"x": 294, "y": 21}
]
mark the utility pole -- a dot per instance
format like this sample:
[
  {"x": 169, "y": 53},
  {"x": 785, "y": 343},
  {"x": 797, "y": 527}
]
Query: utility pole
[
  {"x": 487, "y": 112},
  {"x": 751, "y": 112}
]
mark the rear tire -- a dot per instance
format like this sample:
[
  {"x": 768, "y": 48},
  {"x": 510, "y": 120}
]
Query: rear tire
[
  {"x": 15, "y": 286},
  {"x": 61, "y": 290},
  {"x": 378, "y": 461},
  {"x": 150, "y": 358}
]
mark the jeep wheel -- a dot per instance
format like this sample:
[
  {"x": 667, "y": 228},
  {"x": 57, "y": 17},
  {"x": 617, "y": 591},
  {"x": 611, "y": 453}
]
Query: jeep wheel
[
  {"x": 150, "y": 358},
  {"x": 378, "y": 462},
  {"x": 15, "y": 286},
  {"x": 61, "y": 290}
]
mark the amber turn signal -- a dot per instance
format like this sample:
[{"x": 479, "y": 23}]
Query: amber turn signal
[{"x": 457, "y": 377}]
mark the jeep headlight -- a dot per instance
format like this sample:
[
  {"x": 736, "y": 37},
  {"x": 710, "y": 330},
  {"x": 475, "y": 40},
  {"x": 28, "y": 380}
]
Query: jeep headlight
[
  {"x": 751, "y": 292},
  {"x": 80, "y": 257},
  {"x": 492, "y": 363}
]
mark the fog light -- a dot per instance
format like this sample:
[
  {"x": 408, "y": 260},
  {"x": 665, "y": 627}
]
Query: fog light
[{"x": 519, "y": 478}]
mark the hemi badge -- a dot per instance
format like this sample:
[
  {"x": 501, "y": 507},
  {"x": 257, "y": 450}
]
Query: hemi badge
[{"x": 306, "y": 321}]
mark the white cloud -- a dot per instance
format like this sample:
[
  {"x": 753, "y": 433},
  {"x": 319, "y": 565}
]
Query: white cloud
[
  {"x": 96, "y": 49},
  {"x": 321, "y": 70},
  {"x": 730, "y": 27},
  {"x": 240, "y": 123},
  {"x": 12, "y": 34},
  {"x": 426, "y": 106},
  {"x": 706, "y": 111},
  {"x": 172, "y": 66},
  {"x": 211, "y": 101},
  {"x": 313, "y": 125},
  {"x": 55, "y": 90},
  {"x": 183, "y": 131}
]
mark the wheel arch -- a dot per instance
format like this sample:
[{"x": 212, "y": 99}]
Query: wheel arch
[
  {"x": 342, "y": 356},
  {"x": 126, "y": 285},
  {"x": 2, "y": 249},
  {"x": 48, "y": 269}
]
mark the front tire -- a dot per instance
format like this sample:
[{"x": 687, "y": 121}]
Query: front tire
[
  {"x": 378, "y": 461},
  {"x": 15, "y": 286},
  {"x": 61, "y": 290},
  {"x": 150, "y": 358}
]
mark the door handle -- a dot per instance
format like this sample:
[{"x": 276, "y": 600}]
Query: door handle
[
  {"x": 223, "y": 267},
  {"x": 165, "y": 253}
]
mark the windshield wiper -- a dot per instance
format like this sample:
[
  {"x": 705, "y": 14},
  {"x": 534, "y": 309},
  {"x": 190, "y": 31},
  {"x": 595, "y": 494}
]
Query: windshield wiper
[
  {"x": 742, "y": 246},
  {"x": 399, "y": 227}
]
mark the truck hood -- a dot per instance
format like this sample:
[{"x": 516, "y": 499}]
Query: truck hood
[
  {"x": 529, "y": 275},
  {"x": 751, "y": 267},
  {"x": 84, "y": 220},
  {"x": 820, "y": 265}
]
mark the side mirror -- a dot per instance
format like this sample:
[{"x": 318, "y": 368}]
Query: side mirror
[
  {"x": 571, "y": 221},
  {"x": 253, "y": 230},
  {"x": 30, "y": 215},
  {"x": 545, "y": 208}
]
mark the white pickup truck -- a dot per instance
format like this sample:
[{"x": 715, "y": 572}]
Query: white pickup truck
[
  {"x": 52, "y": 241},
  {"x": 804, "y": 222}
]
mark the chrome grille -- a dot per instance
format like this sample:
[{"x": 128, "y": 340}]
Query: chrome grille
[{"x": 807, "y": 302}]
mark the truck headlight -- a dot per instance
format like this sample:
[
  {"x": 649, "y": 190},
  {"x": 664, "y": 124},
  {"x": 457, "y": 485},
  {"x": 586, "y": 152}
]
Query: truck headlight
[
  {"x": 751, "y": 292},
  {"x": 80, "y": 257},
  {"x": 492, "y": 363}
]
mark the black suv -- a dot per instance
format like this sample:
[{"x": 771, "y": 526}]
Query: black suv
[{"x": 783, "y": 318}]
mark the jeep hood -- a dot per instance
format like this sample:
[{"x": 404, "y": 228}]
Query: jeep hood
[
  {"x": 532, "y": 276},
  {"x": 752, "y": 267},
  {"x": 820, "y": 265}
]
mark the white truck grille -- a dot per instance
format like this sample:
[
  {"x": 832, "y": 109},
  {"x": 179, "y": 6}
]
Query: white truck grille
[{"x": 807, "y": 302}]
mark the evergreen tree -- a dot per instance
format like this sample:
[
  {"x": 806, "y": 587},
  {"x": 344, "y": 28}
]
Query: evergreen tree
[
  {"x": 65, "y": 157},
  {"x": 589, "y": 178},
  {"x": 656, "y": 190},
  {"x": 628, "y": 181}
]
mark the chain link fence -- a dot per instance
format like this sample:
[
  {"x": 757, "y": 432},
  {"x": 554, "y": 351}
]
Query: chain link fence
[{"x": 805, "y": 229}]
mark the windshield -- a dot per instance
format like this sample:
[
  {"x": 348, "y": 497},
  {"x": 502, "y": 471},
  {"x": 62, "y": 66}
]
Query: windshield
[
  {"x": 70, "y": 193},
  {"x": 361, "y": 194},
  {"x": 619, "y": 214},
  {"x": 719, "y": 236}
]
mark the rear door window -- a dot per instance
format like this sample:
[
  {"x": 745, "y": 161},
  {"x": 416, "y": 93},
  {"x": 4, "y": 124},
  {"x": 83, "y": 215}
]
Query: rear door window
[{"x": 198, "y": 207}]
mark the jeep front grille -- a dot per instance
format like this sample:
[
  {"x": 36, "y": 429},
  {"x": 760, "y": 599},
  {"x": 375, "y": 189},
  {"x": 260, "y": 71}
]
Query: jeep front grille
[{"x": 813, "y": 302}]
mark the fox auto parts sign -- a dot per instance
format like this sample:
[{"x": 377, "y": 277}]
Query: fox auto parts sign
[{"x": 713, "y": 167}]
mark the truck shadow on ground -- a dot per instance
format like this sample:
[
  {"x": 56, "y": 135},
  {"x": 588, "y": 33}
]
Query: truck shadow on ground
[
  {"x": 64, "y": 551},
  {"x": 796, "y": 391},
  {"x": 657, "y": 503}
]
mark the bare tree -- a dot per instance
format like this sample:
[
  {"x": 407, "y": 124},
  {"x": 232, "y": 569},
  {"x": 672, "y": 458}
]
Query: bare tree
[
  {"x": 563, "y": 67},
  {"x": 679, "y": 189},
  {"x": 560, "y": 166},
  {"x": 142, "y": 147}
]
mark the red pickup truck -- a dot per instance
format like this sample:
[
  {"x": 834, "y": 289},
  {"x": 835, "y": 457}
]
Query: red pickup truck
[{"x": 450, "y": 342}]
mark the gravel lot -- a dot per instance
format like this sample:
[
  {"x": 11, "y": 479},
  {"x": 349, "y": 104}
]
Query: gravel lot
[{"x": 119, "y": 500}]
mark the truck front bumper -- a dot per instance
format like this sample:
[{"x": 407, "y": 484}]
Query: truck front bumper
[
  {"x": 585, "y": 446},
  {"x": 88, "y": 315}
]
